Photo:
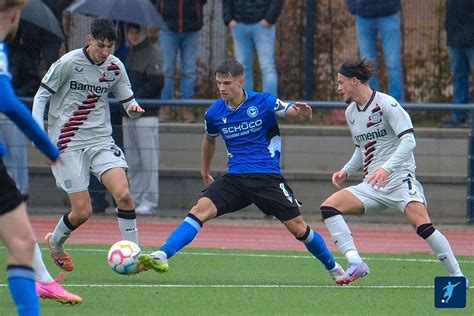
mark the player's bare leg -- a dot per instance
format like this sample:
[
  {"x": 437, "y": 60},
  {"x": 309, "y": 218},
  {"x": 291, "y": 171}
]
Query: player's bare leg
[
  {"x": 81, "y": 210},
  {"x": 115, "y": 180}
]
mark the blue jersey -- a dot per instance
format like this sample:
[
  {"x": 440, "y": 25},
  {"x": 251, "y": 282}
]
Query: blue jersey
[
  {"x": 250, "y": 132},
  {"x": 19, "y": 113}
]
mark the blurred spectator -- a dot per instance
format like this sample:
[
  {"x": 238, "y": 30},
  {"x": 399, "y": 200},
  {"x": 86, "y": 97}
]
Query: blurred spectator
[
  {"x": 24, "y": 69},
  {"x": 380, "y": 16},
  {"x": 252, "y": 24},
  {"x": 184, "y": 20},
  {"x": 51, "y": 44},
  {"x": 460, "y": 37},
  {"x": 140, "y": 136}
]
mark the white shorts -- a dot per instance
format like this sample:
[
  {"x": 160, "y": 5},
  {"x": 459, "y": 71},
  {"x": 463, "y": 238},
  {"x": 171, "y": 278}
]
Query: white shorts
[
  {"x": 401, "y": 189},
  {"x": 74, "y": 174}
]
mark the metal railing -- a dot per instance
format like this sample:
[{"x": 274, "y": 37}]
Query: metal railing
[{"x": 340, "y": 105}]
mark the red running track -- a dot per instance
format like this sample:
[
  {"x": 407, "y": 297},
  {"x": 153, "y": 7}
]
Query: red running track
[{"x": 263, "y": 235}]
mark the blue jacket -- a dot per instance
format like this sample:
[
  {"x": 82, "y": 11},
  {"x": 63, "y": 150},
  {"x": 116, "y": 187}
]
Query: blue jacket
[
  {"x": 373, "y": 8},
  {"x": 460, "y": 23}
]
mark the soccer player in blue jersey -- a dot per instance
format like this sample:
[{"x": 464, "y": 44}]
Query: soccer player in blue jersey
[
  {"x": 15, "y": 229},
  {"x": 246, "y": 120}
]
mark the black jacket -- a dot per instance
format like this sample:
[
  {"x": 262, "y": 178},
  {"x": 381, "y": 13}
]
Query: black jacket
[
  {"x": 460, "y": 23},
  {"x": 373, "y": 8},
  {"x": 143, "y": 65},
  {"x": 251, "y": 11},
  {"x": 182, "y": 15}
]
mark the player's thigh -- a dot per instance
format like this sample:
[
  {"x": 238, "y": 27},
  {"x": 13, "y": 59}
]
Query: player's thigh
[
  {"x": 346, "y": 202},
  {"x": 226, "y": 195},
  {"x": 115, "y": 180},
  {"x": 73, "y": 174}
]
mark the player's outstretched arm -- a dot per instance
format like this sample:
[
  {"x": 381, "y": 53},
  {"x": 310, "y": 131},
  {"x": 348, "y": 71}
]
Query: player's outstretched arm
[
  {"x": 301, "y": 110},
  {"x": 208, "y": 150}
]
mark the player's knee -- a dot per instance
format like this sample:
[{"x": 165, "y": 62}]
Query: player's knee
[
  {"x": 23, "y": 248},
  {"x": 124, "y": 199},
  {"x": 425, "y": 230},
  {"x": 329, "y": 211},
  {"x": 302, "y": 233},
  {"x": 202, "y": 213}
]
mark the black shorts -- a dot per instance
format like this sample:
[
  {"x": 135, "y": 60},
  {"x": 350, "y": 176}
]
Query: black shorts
[
  {"x": 10, "y": 197},
  {"x": 269, "y": 192}
]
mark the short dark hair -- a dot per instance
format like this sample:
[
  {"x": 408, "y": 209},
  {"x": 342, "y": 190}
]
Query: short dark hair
[
  {"x": 361, "y": 69},
  {"x": 102, "y": 29},
  {"x": 133, "y": 26},
  {"x": 230, "y": 66}
]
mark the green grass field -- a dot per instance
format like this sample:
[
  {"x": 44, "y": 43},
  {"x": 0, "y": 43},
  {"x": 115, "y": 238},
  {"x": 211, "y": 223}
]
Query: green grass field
[{"x": 244, "y": 282}]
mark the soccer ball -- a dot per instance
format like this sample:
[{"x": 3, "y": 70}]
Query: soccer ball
[{"x": 122, "y": 257}]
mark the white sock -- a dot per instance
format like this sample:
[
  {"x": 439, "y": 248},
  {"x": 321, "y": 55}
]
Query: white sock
[
  {"x": 41, "y": 273},
  {"x": 161, "y": 255},
  {"x": 342, "y": 237},
  {"x": 61, "y": 233},
  {"x": 440, "y": 246},
  {"x": 128, "y": 229}
]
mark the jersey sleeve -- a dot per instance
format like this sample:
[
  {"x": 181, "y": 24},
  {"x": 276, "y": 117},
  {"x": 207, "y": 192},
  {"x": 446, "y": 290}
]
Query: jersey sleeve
[
  {"x": 122, "y": 89},
  {"x": 398, "y": 118},
  {"x": 211, "y": 129},
  {"x": 281, "y": 107},
  {"x": 56, "y": 76}
]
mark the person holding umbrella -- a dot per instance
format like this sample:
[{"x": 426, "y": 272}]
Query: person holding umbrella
[{"x": 77, "y": 87}]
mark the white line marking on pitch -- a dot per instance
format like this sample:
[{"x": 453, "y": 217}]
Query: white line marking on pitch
[
  {"x": 224, "y": 254},
  {"x": 247, "y": 286}
]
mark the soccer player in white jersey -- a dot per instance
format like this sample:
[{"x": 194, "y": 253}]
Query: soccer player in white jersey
[
  {"x": 77, "y": 86},
  {"x": 382, "y": 132}
]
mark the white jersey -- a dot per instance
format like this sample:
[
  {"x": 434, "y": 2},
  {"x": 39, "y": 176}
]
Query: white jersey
[
  {"x": 79, "y": 114},
  {"x": 376, "y": 129}
]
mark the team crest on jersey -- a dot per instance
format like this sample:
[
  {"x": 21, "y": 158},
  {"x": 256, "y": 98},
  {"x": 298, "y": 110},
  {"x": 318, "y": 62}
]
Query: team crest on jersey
[
  {"x": 108, "y": 76},
  {"x": 252, "y": 111},
  {"x": 68, "y": 183},
  {"x": 376, "y": 116}
]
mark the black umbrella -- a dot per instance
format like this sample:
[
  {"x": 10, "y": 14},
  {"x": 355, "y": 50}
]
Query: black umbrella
[
  {"x": 39, "y": 14},
  {"x": 140, "y": 12}
]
